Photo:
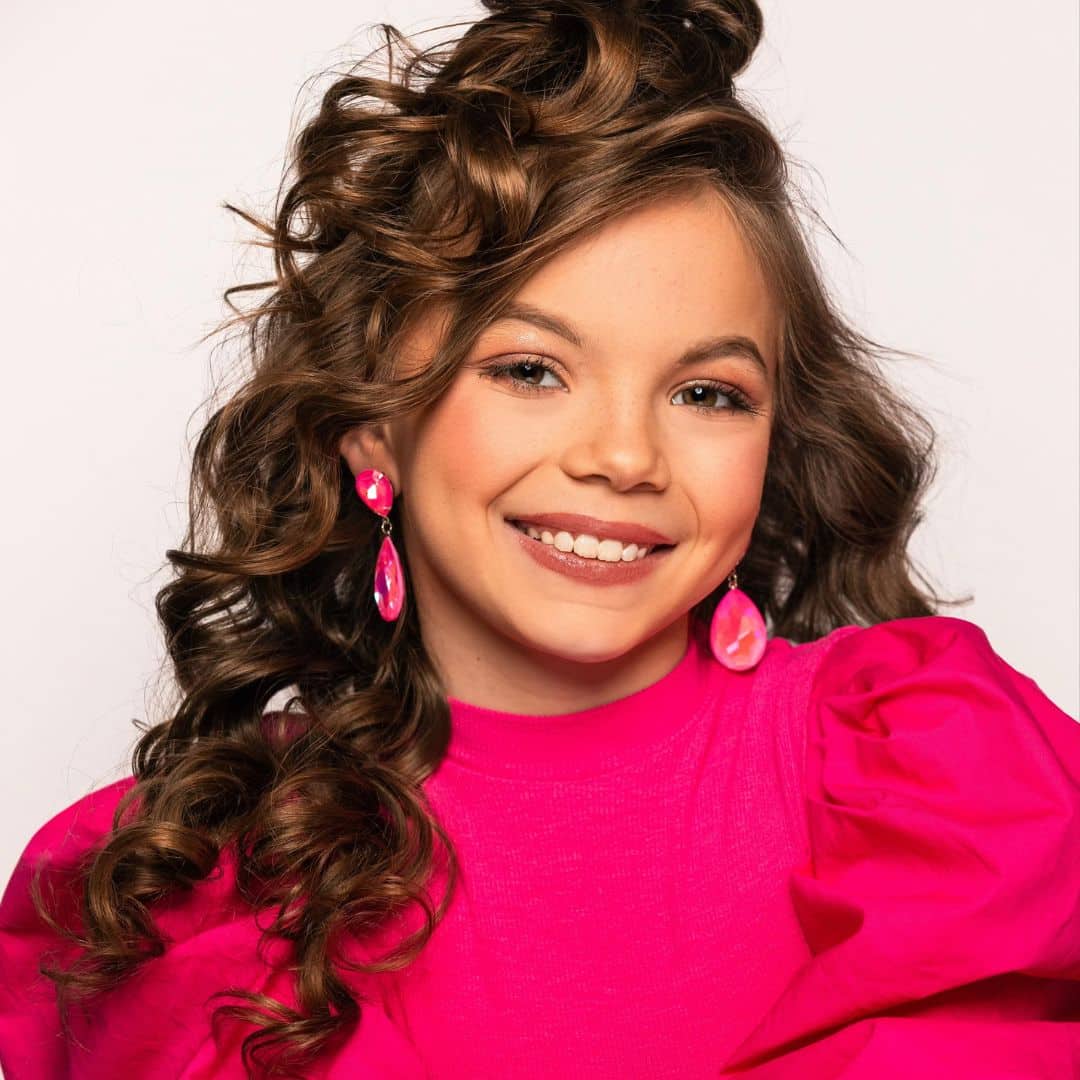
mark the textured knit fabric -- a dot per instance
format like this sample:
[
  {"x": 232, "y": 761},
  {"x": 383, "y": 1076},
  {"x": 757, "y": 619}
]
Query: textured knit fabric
[{"x": 859, "y": 860}]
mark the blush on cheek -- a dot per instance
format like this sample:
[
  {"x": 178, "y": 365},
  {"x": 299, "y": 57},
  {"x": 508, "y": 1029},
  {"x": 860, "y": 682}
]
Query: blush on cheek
[
  {"x": 730, "y": 502},
  {"x": 474, "y": 447}
]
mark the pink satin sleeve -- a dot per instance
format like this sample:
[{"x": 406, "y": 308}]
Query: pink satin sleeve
[
  {"x": 941, "y": 903},
  {"x": 157, "y": 1023}
]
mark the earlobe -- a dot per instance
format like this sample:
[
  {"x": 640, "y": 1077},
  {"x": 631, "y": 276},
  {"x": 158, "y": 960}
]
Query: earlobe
[{"x": 366, "y": 447}]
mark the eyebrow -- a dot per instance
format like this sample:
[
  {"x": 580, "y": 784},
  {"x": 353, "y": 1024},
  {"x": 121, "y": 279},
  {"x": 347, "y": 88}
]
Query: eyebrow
[{"x": 708, "y": 349}]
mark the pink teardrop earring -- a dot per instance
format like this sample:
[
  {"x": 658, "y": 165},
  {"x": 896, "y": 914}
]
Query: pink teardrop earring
[
  {"x": 737, "y": 635},
  {"x": 376, "y": 491}
]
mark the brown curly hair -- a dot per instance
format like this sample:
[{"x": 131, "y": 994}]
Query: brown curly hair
[{"x": 451, "y": 181}]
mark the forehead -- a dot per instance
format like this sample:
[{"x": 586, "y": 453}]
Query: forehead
[
  {"x": 671, "y": 272},
  {"x": 663, "y": 278}
]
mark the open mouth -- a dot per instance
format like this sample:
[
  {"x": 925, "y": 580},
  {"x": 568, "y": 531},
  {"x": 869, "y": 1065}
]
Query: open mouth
[{"x": 603, "y": 551}]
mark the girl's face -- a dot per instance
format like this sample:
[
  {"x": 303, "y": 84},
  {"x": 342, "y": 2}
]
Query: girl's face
[{"x": 598, "y": 414}]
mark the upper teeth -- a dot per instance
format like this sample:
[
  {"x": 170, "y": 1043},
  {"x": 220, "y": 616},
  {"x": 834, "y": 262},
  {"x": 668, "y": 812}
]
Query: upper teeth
[{"x": 587, "y": 546}]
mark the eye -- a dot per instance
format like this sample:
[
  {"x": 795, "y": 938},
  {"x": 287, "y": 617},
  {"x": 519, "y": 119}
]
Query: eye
[
  {"x": 739, "y": 402},
  {"x": 531, "y": 368}
]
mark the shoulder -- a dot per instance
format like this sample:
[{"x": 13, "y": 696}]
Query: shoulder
[
  {"x": 76, "y": 829},
  {"x": 896, "y": 647},
  {"x": 29, "y": 1022},
  {"x": 57, "y": 849},
  {"x": 888, "y": 649},
  {"x": 942, "y": 803},
  {"x": 208, "y": 940},
  {"x": 925, "y": 709},
  {"x": 933, "y": 674},
  {"x": 63, "y": 847},
  {"x": 944, "y": 785},
  {"x": 927, "y": 756},
  {"x": 158, "y": 1020}
]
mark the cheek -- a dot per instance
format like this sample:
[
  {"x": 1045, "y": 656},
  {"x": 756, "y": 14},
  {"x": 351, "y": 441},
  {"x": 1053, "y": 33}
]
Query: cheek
[
  {"x": 727, "y": 482},
  {"x": 468, "y": 448}
]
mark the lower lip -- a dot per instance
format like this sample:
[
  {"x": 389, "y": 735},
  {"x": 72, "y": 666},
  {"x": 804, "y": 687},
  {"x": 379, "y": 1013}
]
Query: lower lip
[{"x": 594, "y": 571}]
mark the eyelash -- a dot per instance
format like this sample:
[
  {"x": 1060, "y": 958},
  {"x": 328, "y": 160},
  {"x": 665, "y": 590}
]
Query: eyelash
[{"x": 740, "y": 401}]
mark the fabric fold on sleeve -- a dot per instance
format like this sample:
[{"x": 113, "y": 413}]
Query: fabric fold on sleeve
[{"x": 941, "y": 902}]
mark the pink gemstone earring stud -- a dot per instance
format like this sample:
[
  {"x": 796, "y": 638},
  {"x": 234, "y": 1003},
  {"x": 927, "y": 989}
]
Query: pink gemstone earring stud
[
  {"x": 375, "y": 490},
  {"x": 737, "y": 635}
]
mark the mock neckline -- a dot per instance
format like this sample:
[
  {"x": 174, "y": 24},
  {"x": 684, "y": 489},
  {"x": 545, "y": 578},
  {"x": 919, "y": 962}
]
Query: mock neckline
[{"x": 584, "y": 741}]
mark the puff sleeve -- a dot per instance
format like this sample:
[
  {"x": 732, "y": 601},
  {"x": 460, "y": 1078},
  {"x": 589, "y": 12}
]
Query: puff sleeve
[
  {"x": 157, "y": 1023},
  {"x": 941, "y": 901}
]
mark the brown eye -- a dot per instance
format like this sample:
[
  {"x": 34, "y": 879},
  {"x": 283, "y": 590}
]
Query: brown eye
[
  {"x": 531, "y": 370},
  {"x": 703, "y": 393}
]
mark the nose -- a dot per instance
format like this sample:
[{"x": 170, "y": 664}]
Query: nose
[{"x": 617, "y": 440}]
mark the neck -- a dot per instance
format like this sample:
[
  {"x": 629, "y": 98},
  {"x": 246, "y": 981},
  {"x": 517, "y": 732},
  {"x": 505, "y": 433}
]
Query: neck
[{"x": 495, "y": 672}]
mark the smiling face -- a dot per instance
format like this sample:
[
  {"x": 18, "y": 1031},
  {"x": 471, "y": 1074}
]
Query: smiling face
[{"x": 608, "y": 406}]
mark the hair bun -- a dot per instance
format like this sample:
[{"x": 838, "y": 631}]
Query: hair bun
[
  {"x": 731, "y": 29},
  {"x": 734, "y": 27}
]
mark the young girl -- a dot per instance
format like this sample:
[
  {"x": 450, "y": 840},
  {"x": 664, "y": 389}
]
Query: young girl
[{"x": 618, "y": 739}]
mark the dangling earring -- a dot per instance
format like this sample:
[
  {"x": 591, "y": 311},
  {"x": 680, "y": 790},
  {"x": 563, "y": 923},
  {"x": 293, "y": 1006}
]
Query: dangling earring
[
  {"x": 375, "y": 490},
  {"x": 737, "y": 635}
]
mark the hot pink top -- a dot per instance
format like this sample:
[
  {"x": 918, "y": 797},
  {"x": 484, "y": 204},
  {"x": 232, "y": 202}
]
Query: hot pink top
[{"x": 859, "y": 860}]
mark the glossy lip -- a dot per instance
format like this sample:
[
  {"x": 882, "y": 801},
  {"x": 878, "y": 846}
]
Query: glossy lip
[
  {"x": 593, "y": 571},
  {"x": 602, "y": 530}
]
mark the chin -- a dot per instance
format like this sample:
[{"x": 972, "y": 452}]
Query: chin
[{"x": 581, "y": 643}]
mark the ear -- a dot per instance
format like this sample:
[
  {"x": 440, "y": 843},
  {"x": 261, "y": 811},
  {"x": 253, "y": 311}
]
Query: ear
[{"x": 368, "y": 447}]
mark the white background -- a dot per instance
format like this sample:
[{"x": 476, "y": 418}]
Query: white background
[{"x": 939, "y": 142}]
